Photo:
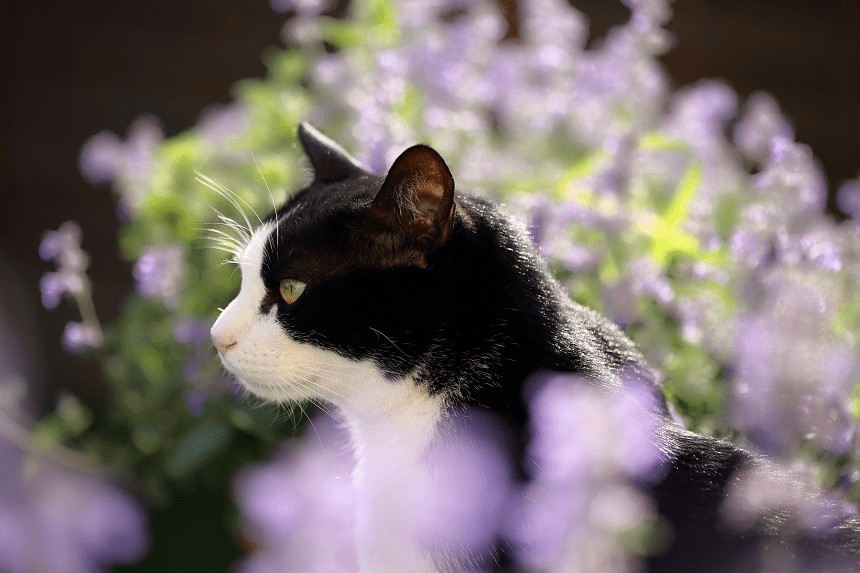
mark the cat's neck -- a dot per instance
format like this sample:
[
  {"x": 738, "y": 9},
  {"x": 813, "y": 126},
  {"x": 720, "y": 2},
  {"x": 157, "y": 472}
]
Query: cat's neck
[{"x": 392, "y": 424}]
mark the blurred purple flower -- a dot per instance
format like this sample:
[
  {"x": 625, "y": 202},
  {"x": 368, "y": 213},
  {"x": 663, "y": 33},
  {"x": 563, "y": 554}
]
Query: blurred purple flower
[
  {"x": 300, "y": 506},
  {"x": 193, "y": 331},
  {"x": 105, "y": 157},
  {"x": 219, "y": 123},
  {"x": 760, "y": 124},
  {"x": 158, "y": 272},
  {"x": 195, "y": 401},
  {"x": 848, "y": 198},
  {"x": 63, "y": 521},
  {"x": 791, "y": 176},
  {"x": 101, "y": 157},
  {"x": 643, "y": 279},
  {"x": 464, "y": 490},
  {"x": 766, "y": 489},
  {"x": 56, "y": 284},
  {"x": 78, "y": 336},
  {"x": 793, "y": 378},
  {"x": 63, "y": 246},
  {"x": 589, "y": 448}
]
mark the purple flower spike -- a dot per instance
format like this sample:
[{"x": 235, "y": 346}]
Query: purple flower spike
[
  {"x": 158, "y": 272},
  {"x": 127, "y": 164},
  {"x": 63, "y": 245}
]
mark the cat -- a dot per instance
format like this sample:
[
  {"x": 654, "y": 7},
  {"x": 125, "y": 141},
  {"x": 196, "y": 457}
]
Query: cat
[{"x": 402, "y": 302}]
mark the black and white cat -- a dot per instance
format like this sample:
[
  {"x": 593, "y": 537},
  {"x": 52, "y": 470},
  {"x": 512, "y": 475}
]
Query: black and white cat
[{"x": 401, "y": 306}]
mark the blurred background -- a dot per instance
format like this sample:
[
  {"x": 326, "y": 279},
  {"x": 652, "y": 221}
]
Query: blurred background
[{"x": 71, "y": 70}]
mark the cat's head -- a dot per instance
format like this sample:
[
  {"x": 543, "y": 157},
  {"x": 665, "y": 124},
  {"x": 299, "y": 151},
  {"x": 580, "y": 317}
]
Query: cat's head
[{"x": 343, "y": 282}]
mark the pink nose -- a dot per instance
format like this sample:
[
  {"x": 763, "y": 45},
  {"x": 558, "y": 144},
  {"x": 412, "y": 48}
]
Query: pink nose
[{"x": 223, "y": 344}]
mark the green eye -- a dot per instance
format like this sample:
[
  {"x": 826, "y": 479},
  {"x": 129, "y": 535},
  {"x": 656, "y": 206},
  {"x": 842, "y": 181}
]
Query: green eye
[{"x": 291, "y": 290}]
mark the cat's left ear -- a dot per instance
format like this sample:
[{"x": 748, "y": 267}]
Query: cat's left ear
[{"x": 417, "y": 198}]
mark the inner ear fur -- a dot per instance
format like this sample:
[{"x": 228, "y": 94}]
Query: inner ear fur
[{"x": 417, "y": 199}]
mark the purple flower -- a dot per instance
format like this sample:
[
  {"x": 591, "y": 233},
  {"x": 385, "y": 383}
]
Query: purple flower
[
  {"x": 464, "y": 488},
  {"x": 791, "y": 177},
  {"x": 761, "y": 124},
  {"x": 791, "y": 493},
  {"x": 59, "y": 520},
  {"x": 63, "y": 246},
  {"x": 78, "y": 336},
  {"x": 698, "y": 116},
  {"x": 300, "y": 506},
  {"x": 643, "y": 279},
  {"x": 219, "y": 123},
  {"x": 588, "y": 446},
  {"x": 195, "y": 401},
  {"x": 158, "y": 272},
  {"x": 56, "y": 284},
  {"x": 105, "y": 157},
  {"x": 848, "y": 198},
  {"x": 193, "y": 331},
  {"x": 101, "y": 157},
  {"x": 793, "y": 377}
]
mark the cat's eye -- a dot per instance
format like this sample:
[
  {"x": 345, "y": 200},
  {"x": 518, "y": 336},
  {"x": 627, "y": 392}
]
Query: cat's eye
[{"x": 291, "y": 290}]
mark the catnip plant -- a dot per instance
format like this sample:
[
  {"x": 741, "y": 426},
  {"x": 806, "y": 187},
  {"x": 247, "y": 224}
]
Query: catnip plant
[{"x": 692, "y": 219}]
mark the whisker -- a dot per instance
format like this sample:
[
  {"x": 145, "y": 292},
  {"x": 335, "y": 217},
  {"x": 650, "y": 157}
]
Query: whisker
[
  {"x": 323, "y": 388},
  {"x": 272, "y": 197},
  {"x": 218, "y": 188},
  {"x": 316, "y": 372},
  {"x": 386, "y": 337},
  {"x": 227, "y": 193}
]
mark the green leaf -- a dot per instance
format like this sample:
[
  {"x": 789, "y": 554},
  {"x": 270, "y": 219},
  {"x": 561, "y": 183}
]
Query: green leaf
[
  {"x": 581, "y": 169},
  {"x": 666, "y": 231},
  {"x": 655, "y": 141},
  {"x": 200, "y": 444}
]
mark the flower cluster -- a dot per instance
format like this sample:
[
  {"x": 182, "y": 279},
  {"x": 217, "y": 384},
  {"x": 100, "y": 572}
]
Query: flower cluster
[
  {"x": 63, "y": 247},
  {"x": 590, "y": 452},
  {"x": 60, "y": 520}
]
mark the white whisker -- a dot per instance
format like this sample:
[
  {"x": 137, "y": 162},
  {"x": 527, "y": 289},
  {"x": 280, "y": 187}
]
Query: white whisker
[{"x": 272, "y": 197}]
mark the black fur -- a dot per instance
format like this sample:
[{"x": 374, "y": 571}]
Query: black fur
[{"x": 478, "y": 318}]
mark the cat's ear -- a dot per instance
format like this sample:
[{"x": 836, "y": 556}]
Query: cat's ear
[
  {"x": 330, "y": 161},
  {"x": 417, "y": 198}
]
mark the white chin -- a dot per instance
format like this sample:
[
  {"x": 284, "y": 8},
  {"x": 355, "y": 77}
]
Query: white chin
[{"x": 270, "y": 392}]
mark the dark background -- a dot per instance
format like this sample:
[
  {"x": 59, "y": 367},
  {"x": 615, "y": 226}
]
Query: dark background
[{"x": 71, "y": 69}]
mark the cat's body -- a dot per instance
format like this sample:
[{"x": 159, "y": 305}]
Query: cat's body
[{"x": 413, "y": 307}]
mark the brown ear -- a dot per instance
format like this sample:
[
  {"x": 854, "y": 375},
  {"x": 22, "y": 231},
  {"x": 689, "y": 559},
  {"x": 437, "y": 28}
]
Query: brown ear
[{"x": 417, "y": 198}]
